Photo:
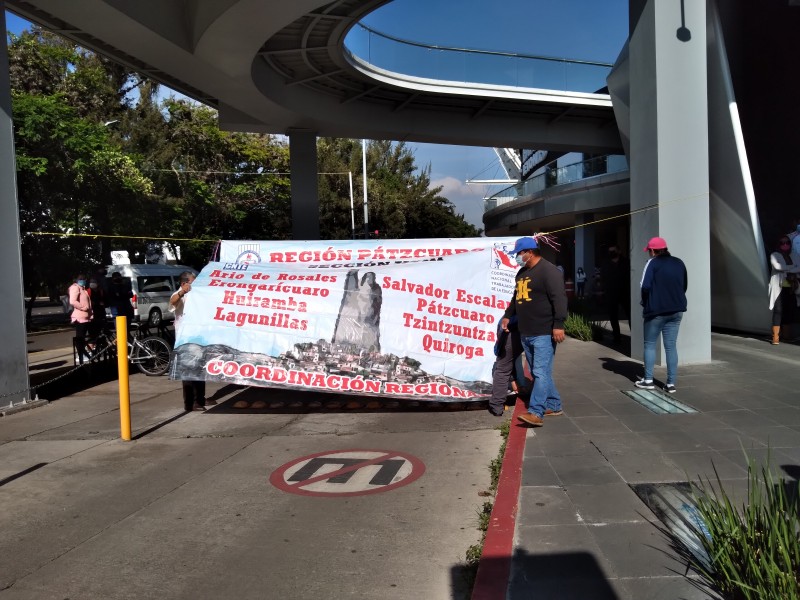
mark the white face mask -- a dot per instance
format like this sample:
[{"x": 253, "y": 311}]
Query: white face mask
[{"x": 93, "y": 286}]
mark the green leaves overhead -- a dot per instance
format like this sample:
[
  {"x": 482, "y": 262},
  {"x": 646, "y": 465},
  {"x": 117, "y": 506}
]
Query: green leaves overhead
[{"x": 98, "y": 154}]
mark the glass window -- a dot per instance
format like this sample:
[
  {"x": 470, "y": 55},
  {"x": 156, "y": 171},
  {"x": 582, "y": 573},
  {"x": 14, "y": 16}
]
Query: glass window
[{"x": 155, "y": 284}]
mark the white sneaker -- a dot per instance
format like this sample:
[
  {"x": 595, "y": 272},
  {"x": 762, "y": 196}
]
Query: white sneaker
[
  {"x": 645, "y": 384},
  {"x": 670, "y": 389}
]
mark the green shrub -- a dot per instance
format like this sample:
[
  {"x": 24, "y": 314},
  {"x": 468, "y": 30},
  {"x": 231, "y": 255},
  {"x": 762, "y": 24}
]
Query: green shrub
[
  {"x": 578, "y": 327},
  {"x": 752, "y": 553}
]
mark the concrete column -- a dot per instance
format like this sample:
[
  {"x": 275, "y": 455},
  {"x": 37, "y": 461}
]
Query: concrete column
[
  {"x": 305, "y": 197},
  {"x": 14, "y": 349},
  {"x": 669, "y": 156},
  {"x": 584, "y": 245}
]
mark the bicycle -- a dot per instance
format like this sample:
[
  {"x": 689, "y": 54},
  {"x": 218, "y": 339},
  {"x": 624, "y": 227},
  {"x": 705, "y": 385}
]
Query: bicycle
[{"x": 151, "y": 354}]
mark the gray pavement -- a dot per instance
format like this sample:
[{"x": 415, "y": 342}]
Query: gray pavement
[
  {"x": 187, "y": 509},
  {"x": 582, "y": 532}
]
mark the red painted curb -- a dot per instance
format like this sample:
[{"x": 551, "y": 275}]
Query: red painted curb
[{"x": 494, "y": 569}]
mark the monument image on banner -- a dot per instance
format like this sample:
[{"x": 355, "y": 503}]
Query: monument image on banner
[{"x": 405, "y": 319}]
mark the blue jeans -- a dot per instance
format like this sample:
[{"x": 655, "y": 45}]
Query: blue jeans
[
  {"x": 667, "y": 326},
  {"x": 540, "y": 351}
]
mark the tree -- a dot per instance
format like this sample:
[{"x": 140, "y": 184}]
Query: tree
[{"x": 401, "y": 202}]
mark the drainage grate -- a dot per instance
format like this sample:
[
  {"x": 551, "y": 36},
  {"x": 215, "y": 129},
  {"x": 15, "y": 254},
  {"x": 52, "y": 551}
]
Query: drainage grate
[
  {"x": 676, "y": 507},
  {"x": 659, "y": 402}
]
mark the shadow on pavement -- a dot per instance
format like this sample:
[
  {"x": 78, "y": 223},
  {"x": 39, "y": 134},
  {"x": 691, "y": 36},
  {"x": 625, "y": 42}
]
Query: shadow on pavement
[
  {"x": 258, "y": 400},
  {"x": 627, "y": 368},
  {"x": 551, "y": 576},
  {"x": 67, "y": 380}
]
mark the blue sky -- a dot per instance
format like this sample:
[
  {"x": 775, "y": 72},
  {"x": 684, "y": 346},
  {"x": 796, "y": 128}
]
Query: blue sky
[{"x": 577, "y": 29}]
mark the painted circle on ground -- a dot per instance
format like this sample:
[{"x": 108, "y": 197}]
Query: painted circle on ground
[{"x": 355, "y": 472}]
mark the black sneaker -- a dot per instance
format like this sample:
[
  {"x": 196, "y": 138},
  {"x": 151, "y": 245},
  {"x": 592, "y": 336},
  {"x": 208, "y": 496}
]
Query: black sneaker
[
  {"x": 645, "y": 384},
  {"x": 670, "y": 389}
]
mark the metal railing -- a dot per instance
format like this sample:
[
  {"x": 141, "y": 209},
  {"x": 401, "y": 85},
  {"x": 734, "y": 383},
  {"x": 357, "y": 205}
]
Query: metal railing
[
  {"x": 554, "y": 175},
  {"x": 468, "y": 65}
]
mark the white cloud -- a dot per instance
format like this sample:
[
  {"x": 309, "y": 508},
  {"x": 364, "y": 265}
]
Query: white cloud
[{"x": 468, "y": 199}]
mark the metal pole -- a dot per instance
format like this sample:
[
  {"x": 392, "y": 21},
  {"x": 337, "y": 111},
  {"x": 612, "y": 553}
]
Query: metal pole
[
  {"x": 352, "y": 208},
  {"x": 124, "y": 379},
  {"x": 366, "y": 214}
]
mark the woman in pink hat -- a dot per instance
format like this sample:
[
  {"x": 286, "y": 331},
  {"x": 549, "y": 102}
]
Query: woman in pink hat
[{"x": 664, "y": 284}]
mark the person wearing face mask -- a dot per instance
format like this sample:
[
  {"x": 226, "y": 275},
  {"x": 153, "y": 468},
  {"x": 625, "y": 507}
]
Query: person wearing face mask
[
  {"x": 794, "y": 236},
  {"x": 81, "y": 315},
  {"x": 540, "y": 304},
  {"x": 783, "y": 287}
]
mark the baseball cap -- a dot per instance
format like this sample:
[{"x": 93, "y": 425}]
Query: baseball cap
[
  {"x": 524, "y": 243},
  {"x": 656, "y": 243}
]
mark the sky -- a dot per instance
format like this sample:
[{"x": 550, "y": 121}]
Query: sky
[{"x": 576, "y": 29}]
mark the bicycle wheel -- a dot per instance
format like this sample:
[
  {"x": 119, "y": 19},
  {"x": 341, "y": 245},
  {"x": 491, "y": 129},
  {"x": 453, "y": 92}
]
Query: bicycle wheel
[{"x": 151, "y": 355}]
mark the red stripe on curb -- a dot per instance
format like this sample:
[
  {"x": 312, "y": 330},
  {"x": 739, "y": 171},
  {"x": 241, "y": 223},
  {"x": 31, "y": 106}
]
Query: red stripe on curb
[{"x": 494, "y": 569}]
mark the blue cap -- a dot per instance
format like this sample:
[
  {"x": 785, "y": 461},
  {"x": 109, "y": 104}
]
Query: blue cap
[{"x": 524, "y": 243}]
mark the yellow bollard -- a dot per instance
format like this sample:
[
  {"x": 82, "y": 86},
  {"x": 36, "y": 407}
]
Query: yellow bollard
[{"x": 124, "y": 380}]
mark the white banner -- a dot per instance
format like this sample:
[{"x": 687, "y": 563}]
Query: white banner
[{"x": 392, "y": 318}]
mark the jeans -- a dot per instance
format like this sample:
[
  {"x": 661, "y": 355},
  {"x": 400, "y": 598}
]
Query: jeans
[
  {"x": 540, "y": 351},
  {"x": 667, "y": 326}
]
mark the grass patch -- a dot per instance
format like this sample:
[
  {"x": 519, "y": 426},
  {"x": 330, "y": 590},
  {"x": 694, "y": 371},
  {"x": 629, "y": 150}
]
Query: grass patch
[
  {"x": 751, "y": 552},
  {"x": 473, "y": 555},
  {"x": 578, "y": 327}
]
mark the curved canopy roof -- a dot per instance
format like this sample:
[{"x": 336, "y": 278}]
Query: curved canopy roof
[{"x": 277, "y": 67}]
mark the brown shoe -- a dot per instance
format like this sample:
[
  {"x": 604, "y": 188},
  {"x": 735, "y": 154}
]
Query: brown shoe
[
  {"x": 553, "y": 413},
  {"x": 531, "y": 419}
]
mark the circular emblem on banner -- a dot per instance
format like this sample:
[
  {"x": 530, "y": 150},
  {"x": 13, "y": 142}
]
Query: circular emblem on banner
[
  {"x": 248, "y": 257},
  {"x": 347, "y": 473}
]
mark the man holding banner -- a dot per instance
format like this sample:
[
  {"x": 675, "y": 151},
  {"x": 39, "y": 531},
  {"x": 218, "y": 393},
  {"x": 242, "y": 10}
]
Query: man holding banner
[{"x": 540, "y": 305}]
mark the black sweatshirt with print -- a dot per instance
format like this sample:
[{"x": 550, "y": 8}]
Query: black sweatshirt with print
[{"x": 539, "y": 300}]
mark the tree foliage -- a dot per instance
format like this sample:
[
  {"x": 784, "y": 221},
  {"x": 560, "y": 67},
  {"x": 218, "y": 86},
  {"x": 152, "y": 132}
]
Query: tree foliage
[{"x": 100, "y": 154}]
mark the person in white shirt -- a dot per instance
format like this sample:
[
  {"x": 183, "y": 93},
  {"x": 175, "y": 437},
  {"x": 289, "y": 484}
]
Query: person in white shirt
[{"x": 194, "y": 392}]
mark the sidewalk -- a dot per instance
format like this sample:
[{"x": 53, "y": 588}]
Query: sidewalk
[{"x": 582, "y": 532}]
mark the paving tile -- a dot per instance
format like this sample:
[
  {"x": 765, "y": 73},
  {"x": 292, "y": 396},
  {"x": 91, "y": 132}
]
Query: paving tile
[
  {"x": 620, "y": 443},
  {"x": 583, "y": 471},
  {"x": 775, "y": 436},
  {"x": 563, "y": 552},
  {"x": 659, "y": 588},
  {"x": 537, "y": 471},
  {"x": 604, "y": 424},
  {"x": 672, "y": 440},
  {"x": 724, "y": 439},
  {"x": 704, "y": 464},
  {"x": 635, "y": 550},
  {"x": 558, "y": 426},
  {"x": 646, "y": 421},
  {"x": 646, "y": 468},
  {"x": 783, "y": 416},
  {"x": 608, "y": 503},
  {"x": 584, "y": 409},
  {"x": 565, "y": 445},
  {"x": 744, "y": 419},
  {"x": 761, "y": 457},
  {"x": 542, "y": 505}
]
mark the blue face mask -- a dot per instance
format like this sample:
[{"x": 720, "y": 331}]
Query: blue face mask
[
  {"x": 81, "y": 282},
  {"x": 519, "y": 259}
]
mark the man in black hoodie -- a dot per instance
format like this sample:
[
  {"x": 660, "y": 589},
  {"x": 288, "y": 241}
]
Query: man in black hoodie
[{"x": 540, "y": 304}]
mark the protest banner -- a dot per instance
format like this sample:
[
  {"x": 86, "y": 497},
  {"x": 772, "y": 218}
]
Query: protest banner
[{"x": 388, "y": 318}]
